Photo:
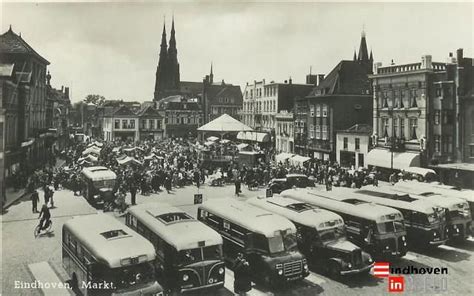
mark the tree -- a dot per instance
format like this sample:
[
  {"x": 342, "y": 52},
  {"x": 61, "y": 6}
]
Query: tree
[{"x": 96, "y": 100}]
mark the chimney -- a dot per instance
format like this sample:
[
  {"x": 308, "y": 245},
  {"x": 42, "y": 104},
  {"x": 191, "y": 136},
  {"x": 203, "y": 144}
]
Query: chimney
[
  {"x": 426, "y": 62},
  {"x": 263, "y": 81},
  {"x": 62, "y": 88},
  {"x": 66, "y": 91},
  {"x": 459, "y": 54},
  {"x": 312, "y": 79},
  {"x": 290, "y": 81},
  {"x": 223, "y": 83},
  {"x": 377, "y": 66},
  {"x": 451, "y": 59},
  {"x": 320, "y": 78}
]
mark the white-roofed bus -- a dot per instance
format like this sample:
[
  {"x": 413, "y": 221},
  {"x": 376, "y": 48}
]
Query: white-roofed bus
[
  {"x": 458, "y": 216},
  {"x": 267, "y": 241},
  {"x": 321, "y": 236},
  {"x": 189, "y": 253},
  {"x": 442, "y": 189},
  {"x": 97, "y": 181},
  {"x": 378, "y": 230},
  {"x": 105, "y": 257},
  {"x": 424, "y": 220}
]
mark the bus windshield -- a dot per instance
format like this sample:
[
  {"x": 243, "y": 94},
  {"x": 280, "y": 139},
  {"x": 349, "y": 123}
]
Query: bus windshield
[
  {"x": 462, "y": 211},
  {"x": 439, "y": 215},
  {"x": 331, "y": 234},
  {"x": 282, "y": 242},
  {"x": 391, "y": 226},
  {"x": 191, "y": 256},
  {"x": 125, "y": 277}
]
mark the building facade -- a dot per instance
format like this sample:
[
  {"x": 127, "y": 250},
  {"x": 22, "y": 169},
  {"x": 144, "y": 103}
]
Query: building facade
[
  {"x": 284, "y": 132},
  {"x": 353, "y": 145},
  {"x": 24, "y": 98},
  {"x": 151, "y": 124},
  {"x": 182, "y": 116},
  {"x": 343, "y": 98},
  {"x": 262, "y": 101},
  {"x": 423, "y": 108},
  {"x": 120, "y": 124}
]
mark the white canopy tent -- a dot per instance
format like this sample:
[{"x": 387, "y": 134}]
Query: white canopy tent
[
  {"x": 299, "y": 160},
  {"x": 128, "y": 160},
  {"x": 282, "y": 157},
  {"x": 224, "y": 124},
  {"x": 401, "y": 160},
  {"x": 212, "y": 139}
]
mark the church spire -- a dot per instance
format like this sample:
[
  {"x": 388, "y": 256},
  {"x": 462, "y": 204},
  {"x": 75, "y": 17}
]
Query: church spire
[
  {"x": 173, "y": 60},
  {"x": 371, "y": 58},
  {"x": 355, "y": 55},
  {"x": 363, "y": 53},
  {"x": 162, "y": 69},
  {"x": 211, "y": 76}
]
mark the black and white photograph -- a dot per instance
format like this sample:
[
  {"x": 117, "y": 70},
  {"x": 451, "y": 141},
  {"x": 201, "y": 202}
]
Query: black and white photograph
[{"x": 224, "y": 147}]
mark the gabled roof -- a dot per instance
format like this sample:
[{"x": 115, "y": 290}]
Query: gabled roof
[
  {"x": 148, "y": 110},
  {"x": 226, "y": 90},
  {"x": 14, "y": 44},
  {"x": 348, "y": 77},
  {"x": 225, "y": 123},
  {"x": 123, "y": 110},
  {"x": 189, "y": 87}
]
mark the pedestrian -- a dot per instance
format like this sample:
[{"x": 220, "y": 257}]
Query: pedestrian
[
  {"x": 133, "y": 192},
  {"x": 242, "y": 282},
  {"x": 46, "y": 194},
  {"x": 51, "y": 194},
  {"x": 237, "y": 186},
  {"x": 34, "y": 201}
]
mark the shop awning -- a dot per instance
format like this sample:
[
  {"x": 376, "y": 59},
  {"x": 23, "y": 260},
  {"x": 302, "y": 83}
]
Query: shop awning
[
  {"x": 401, "y": 160},
  {"x": 242, "y": 146},
  {"x": 128, "y": 160},
  {"x": 92, "y": 149},
  {"x": 254, "y": 136},
  {"x": 299, "y": 160},
  {"x": 27, "y": 143},
  {"x": 282, "y": 157},
  {"x": 212, "y": 139}
]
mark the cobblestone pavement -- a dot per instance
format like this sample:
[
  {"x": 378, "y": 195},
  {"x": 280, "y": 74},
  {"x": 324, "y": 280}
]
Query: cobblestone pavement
[{"x": 20, "y": 249}]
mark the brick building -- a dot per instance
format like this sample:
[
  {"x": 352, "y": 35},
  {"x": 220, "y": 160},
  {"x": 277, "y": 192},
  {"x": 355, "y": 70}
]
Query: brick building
[{"x": 23, "y": 84}]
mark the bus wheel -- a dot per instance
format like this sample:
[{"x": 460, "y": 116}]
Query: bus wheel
[
  {"x": 74, "y": 283},
  {"x": 334, "y": 270}
]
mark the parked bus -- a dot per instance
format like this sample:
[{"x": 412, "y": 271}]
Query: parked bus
[
  {"x": 97, "y": 181},
  {"x": 424, "y": 220},
  {"x": 458, "y": 216},
  {"x": 444, "y": 190},
  {"x": 105, "y": 257},
  {"x": 189, "y": 253},
  {"x": 376, "y": 229},
  {"x": 268, "y": 241},
  {"x": 321, "y": 236}
]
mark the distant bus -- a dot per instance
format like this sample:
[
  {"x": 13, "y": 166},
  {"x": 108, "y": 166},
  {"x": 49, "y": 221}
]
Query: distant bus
[
  {"x": 425, "y": 221},
  {"x": 376, "y": 229},
  {"x": 189, "y": 253},
  {"x": 105, "y": 257},
  {"x": 444, "y": 190},
  {"x": 459, "y": 217},
  {"x": 321, "y": 236},
  {"x": 268, "y": 241},
  {"x": 97, "y": 180}
]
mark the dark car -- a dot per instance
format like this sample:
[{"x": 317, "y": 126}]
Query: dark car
[{"x": 298, "y": 180}]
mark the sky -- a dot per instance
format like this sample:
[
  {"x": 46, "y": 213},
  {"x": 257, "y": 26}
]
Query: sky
[{"x": 112, "y": 49}]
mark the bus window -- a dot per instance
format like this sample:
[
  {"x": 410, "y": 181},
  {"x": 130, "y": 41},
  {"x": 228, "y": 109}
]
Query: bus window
[
  {"x": 391, "y": 226},
  {"x": 187, "y": 257},
  {"x": 331, "y": 234},
  {"x": 282, "y": 242},
  {"x": 258, "y": 241},
  {"x": 212, "y": 252}
]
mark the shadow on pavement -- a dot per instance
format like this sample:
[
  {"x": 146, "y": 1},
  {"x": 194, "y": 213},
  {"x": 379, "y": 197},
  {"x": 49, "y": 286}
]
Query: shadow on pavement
[{"x": 444, "y": 254}]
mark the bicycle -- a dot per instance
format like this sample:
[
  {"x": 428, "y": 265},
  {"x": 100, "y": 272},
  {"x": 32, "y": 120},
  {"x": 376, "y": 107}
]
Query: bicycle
[{"x": 46, "y": 228}]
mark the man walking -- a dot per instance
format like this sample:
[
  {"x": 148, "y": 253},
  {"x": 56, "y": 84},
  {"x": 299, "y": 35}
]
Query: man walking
[
  {"x": 133, "y": 192},
  {"x": 242, "y": 282},
  {"x": 34, "y": 201}
]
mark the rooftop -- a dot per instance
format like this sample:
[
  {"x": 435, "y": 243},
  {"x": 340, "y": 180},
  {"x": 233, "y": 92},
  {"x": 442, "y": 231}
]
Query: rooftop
[{"x": 12, "y": 43}]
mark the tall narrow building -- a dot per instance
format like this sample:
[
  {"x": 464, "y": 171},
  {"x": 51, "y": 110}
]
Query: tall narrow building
[
  {"x": 173, "y": 61},
  {"x": 161, "y": 83},
  {"x": 363, "y": 56}
]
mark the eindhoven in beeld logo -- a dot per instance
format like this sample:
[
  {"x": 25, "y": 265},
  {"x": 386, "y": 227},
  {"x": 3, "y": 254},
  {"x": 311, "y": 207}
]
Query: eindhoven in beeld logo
[{"x": 411, "y": 278}]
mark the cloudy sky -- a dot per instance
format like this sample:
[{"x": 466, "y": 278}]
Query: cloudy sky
[{"x": 112, "y": 48}]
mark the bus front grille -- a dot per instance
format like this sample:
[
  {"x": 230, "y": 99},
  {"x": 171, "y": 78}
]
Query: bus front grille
[
  {"x": 292, "y": 268},
  {"x": 357, "y": 257}
]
